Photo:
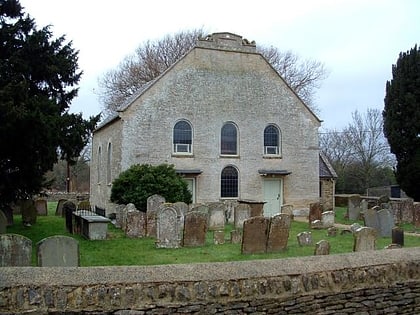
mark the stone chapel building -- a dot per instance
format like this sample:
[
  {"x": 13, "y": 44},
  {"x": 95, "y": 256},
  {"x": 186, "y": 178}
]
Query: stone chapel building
[{"x": 226, "y": 120}]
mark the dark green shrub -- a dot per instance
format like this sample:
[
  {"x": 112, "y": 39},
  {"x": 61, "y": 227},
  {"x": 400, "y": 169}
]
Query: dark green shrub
[{"x": 139, "y": 182}]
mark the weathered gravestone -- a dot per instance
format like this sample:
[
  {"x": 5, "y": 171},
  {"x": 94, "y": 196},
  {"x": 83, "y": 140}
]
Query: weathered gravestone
[
  {"x": 119, "y": 216},
  {"x": 315, "y": 212},
  {"x": 230, "y": 206},
  {"x": 235, "y": 237},
  {"x": 403, "y": 210},
  {"x": 328, "y": 219},
  {"x": 41, "y": 207},
  {"x": 135, "y": 226},
  {"x": 3, "y": 222},
  {"x": 364, "y": 239},
  {"x": 254, "y": 238},
  {"x": 398, "y": 236},
  {"x": 353, "y": 207},
  {"x": 287, "y": 209},
  {"x": 242, "y": 213},
  {"x": 153, "y": 204},
  {"x": 15, "y": 250},
  {"x": 195, "y": 229},
  {"x": 364, "y": 205},
  {"x": 304, "y": 238},
  {"x": 29, "y": 212},
  {"x": 58, "y": 251},
  {"x": 200, "y": 208},
  {"x": 278, "y": 233},
  {"x": 386, "y": 222},
  {"x": 322, "y": 248},
  {"x": 371, "y": 218},
  {"x": 219, "y": 237},
  {"x": 169, "y": 227},
  {"x": 59, "y": 209},
  {"x": 217, "y": 217},
  {"x": 68, "y": 209}
]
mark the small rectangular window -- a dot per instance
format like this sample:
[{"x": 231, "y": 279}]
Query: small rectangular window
[{"x": 182, "y": 148}]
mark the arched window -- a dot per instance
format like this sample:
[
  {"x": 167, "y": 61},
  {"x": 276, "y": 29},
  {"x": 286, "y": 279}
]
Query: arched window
[
  {"x": 99, "y": 164},
  {"x": 182, "y": 137},
  {"x": 229, "y": 182},
  {"x": 229, "y": 139},
  {"x": 108, "y": 163},
  {"x": 271, "y": 140}
]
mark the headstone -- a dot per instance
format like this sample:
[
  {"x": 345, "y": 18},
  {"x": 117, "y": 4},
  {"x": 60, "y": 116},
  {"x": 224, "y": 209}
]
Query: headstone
[
  {"x": 219, "y": 237},
  {"x": 3, "y": 223},
  {"x": 315, "y": 212},
  {"x": 364, "y": 205},
  {"x": 182, "y": 206},
  {"x": 254, "y": 237},
  {"x": 235, "y": 237},
  {"x": 200, "y": 208},
  {"x": 124, "y": 214},
  {"x": 353, "y": 207},
  {"x": 169, "y": 230},
  {"x": 119, "y": 216},
  {"x": 230, "y": 206},
  {"x": 287, "y": 209},
  {"x": 195, "y": 229},
  {"x": 416, "y": 215},
  {"x": 216, "y": 216},
  {"x": 278, "y": 233},
  {"x": 59, "y": 209},
  {"x": 332, "y": 231},
  {"x": 29, "y": 212},
  {"x": 242, "y": 213},
  {"x": 322, "y": 248},
  {"x": 317, "y": 224},
  {"x": 371, "y": 218},
  {"x": 398, "y": 236},
  {"x": 364, "y": 239},
  {"x": 328, "y": 219},
  {"x": 386, "y": 223},
  {"x": 15, "y": 250},
  {"x": 136, "y": 224},
  {"x": 153, "y": 204},
  {"x": 304, "y": 239},
  {"x": 58, "y": 251},
  {"x": 41, "y": 206},
  {"x": 68, "y": 209}
]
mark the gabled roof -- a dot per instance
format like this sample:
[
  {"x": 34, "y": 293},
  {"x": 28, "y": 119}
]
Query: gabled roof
[{"x": 325, "y": 168}]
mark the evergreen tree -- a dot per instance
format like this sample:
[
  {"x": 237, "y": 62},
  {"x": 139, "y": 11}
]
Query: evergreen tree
[
  {"x": 38, "y": 75},
  {"x": 402, "y": 120}
]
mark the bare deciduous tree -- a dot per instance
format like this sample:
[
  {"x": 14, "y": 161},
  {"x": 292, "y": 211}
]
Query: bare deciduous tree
[{"x": 154, "y": 57}]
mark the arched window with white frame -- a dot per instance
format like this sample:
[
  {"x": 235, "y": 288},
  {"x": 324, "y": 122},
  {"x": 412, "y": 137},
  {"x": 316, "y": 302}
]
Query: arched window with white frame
[
  {"x": 182, "y": 137},
  {"x": 272, "y": 140}
]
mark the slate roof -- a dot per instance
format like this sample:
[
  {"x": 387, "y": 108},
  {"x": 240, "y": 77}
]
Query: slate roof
[{"x": 325, "y": 168}]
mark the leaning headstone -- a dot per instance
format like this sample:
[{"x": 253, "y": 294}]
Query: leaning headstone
[
  {"x": 68, "y": 209},
  {"x": 59, "y": 208},
  {"x": 58, "y": 251},
  {"x": 235, "y": 237},
  {"x": 15, "y": 250},
  {"x": 278, "y": 233},
  {"x": 219, "y": 237},
  {"x": 41, "y": 207},
  {"x": 169, "y": 230},
  {"x": 315, "y": 212},
  {"x": 195, "y": 229},
  {"x": 136, "y": 224},
  {"x": 153, "y": 204},
  {"x": 398, "y": 236},
  {"x": 364, "y": 239},
  {"x": 3, "y": 223},
  {"x": 371, "y": 218},
  {"x": 304, "y": 238},
  {"x": 242, "y": 213},
  {"x": 29, "y": 212},
  {"x": 254, "y": 237},
  {"x": 119, "y": 216},
  {"x": 287, "y": 209},
  {"x": 216, "y": 216},
  {"x": 386, "y": 223},
  {"x": 353, "y": 207},
  {"x": 328, "y": 219},
  {"x": 322, "y": 248}
]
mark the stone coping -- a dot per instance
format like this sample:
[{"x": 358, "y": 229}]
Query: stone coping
[{"x": 75, "y": 276}]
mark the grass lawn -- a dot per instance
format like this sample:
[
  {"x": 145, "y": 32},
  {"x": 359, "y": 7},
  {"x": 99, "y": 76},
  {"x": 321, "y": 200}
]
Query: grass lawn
[{"x": 118, "y": 250}]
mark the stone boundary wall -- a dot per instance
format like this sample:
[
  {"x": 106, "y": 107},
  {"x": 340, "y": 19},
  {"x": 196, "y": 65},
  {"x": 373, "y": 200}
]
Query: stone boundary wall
[
  {"x": 372, "y": 282},
  {"x": 56, "y": 196}
]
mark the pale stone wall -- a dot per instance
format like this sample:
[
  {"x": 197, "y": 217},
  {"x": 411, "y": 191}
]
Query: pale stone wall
[
  {"x": 370, "y": 282},
  {"x": 209, "y": 87}
]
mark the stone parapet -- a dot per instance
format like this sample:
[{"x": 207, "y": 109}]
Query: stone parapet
[{"x": 347, "y": 283}]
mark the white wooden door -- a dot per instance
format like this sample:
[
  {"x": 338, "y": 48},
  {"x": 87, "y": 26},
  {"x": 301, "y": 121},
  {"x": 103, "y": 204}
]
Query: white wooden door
[{"x": 273, "y": 196}]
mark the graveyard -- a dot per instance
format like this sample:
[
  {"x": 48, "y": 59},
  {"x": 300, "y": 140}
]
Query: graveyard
[{"x": 118, "y": 249}]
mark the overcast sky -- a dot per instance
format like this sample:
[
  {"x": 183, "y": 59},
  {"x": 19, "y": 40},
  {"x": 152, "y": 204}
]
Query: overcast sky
[{"x": 358, "y": 40}]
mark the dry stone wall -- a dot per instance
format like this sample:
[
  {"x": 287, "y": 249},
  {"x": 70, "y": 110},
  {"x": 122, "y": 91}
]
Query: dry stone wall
[{"x": 373, "y": 282}]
